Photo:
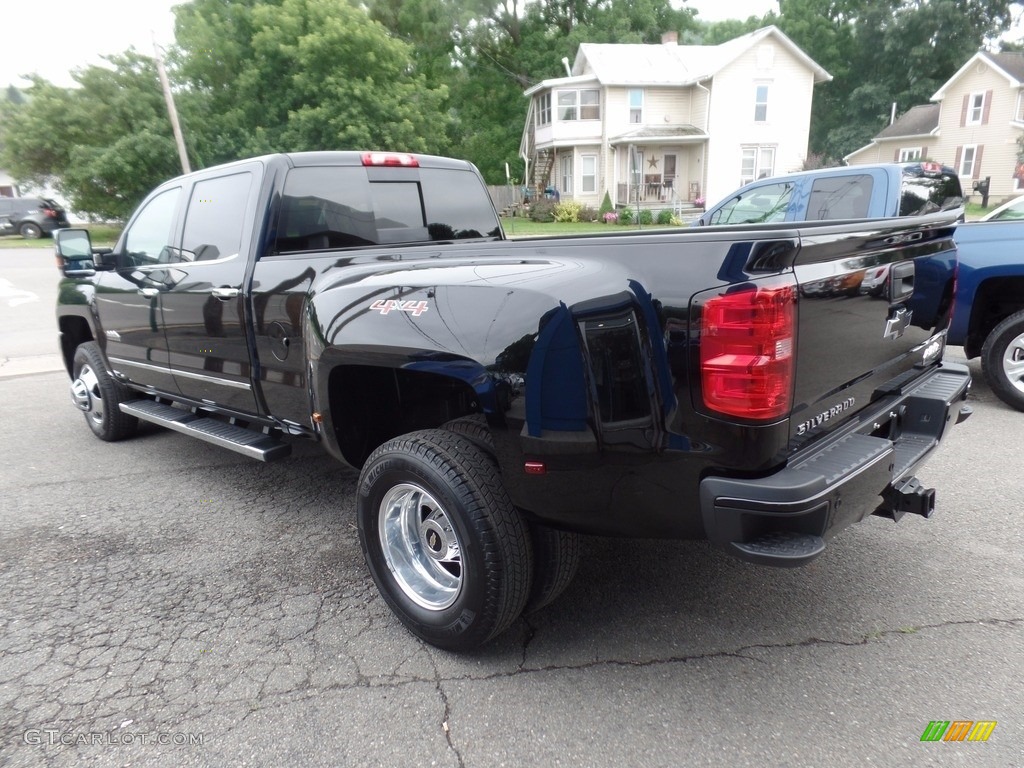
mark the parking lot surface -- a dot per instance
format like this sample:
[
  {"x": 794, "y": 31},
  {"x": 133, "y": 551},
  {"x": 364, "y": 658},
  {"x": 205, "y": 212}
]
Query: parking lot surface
[{"x": 165, "y": 602}]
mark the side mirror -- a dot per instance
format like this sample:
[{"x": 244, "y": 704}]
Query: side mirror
[
  {"x": 75, "y": 255},
  {"x": 74, "y": 252}
]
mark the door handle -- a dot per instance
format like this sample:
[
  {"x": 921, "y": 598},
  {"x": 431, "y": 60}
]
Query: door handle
[
  {"x": 225, "y": 293},
  {"x": 149, "y": 293}
]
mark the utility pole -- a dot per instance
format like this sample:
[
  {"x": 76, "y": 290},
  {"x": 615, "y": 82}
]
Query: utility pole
[{"x": 172, "y": 112}]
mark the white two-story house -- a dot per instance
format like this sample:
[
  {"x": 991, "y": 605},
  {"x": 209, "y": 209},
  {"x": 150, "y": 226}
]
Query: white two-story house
[{"x": 669, "y": 124}]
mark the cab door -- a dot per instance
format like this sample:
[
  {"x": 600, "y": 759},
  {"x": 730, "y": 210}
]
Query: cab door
[
  {"x": 205, "y": 304},
  {"x": 128, "y": 297}
]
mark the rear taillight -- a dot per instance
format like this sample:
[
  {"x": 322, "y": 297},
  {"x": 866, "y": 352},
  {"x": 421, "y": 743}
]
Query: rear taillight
[
  {"x": 398, "y": 159},
  {"x": 746, "y": 352},
  {"x": 50, "y": 212}
]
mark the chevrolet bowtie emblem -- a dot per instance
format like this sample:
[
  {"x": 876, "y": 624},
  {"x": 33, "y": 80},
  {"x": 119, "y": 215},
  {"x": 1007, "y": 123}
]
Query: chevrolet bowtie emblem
[{"x": 897, "y": 323}]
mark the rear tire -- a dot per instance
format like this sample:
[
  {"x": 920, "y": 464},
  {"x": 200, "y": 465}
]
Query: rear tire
[
  {"x": 1002, "y": 360},
  {"x": 30, "y": 231},
  {"x": 556, "y": 554},
  {"x": 448, "y": 551},
  {"x": 104, "y": 395},
  {"x": 556, "y": 558}
]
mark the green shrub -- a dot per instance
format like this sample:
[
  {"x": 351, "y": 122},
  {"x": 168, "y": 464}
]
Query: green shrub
[
  {"x": 646, "y": 216},
  {"x": 606, "y": 206},
  {"x": 665, "y": 216},
  {"x": 543, "y": 210},
  {"x": 626, "y": 216},
  {"x": 568, "y": 212}
]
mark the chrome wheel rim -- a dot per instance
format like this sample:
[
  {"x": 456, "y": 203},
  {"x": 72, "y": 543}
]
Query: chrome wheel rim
[
  {"x": 420, "y": 546},
  {"x": 1013, "y": 363},
  {"x": 85, "y": 393}
]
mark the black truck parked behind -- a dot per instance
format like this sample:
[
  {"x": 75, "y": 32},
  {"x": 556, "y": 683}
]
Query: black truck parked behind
[{"x": 502, "y": 397}]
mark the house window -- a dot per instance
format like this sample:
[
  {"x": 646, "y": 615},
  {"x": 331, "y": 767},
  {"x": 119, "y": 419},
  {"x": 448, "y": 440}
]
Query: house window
[
  {"x": 544, "y": 109},
  {"x": 756, "y": 163},
  {"x": 565, "y": 165},
  {"x": 761, "y": 104},
  {"x": 588, "y": 173},
  {"x": 636, "y": 105},
  {"x": 909, "y": 153},
  {"x": 579, "y": 105},
  {"x": 975, "y": 108},
  {"x": 967, "y": 159}
]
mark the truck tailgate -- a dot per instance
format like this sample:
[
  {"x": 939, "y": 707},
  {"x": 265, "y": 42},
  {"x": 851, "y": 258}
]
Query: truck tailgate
[{"x": 855, "y": 344}]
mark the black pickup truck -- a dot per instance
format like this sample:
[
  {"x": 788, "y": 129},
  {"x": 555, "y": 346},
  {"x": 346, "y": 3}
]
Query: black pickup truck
[{"x": 502, "y": 397}]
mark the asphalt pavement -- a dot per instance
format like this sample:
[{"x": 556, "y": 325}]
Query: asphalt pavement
[{"x": 165, "y": 602}]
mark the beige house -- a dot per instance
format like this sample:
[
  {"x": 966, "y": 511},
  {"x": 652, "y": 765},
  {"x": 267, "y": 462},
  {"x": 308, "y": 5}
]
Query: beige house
[
  {"x": 973, "y": 124},
  {"x": 666, "y": 125}
]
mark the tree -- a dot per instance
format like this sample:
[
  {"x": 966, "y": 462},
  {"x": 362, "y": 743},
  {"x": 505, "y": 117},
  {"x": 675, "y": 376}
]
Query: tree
[
  {"x": 103, "y": 145},
  {"x": 293, "y": 75},
  {"x": 880, "y": 52}
]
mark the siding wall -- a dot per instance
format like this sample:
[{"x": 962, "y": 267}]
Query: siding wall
[
  {"x": 732, "y": 126},
  {"x": 997, "y": 136}
]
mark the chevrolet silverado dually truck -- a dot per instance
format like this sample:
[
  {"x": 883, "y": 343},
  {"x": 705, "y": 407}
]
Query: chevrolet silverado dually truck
[{"x": 502, "y": 397}]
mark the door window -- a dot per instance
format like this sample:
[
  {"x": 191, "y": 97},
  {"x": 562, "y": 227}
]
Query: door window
[
  {"x": 149, "y": 237},
  {"x": 216, "y": 215},
  {"x": 840, "y": 197},
  {"x": 757, "y": 205}
]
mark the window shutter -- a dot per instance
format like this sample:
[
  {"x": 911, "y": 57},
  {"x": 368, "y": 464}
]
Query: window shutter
[
  {"x": 977, "y": 162},
  {"x": 924, "y": 153},
  {"x": 956, "y": 162},
  {"x": 987, "y": 108},
  {"x": 963, "y": 110},
  {"x": 896, "y": 155}
]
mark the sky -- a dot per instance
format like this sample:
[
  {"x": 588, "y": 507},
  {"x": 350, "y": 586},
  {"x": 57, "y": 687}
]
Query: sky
[{"x": 89, "y": 29}]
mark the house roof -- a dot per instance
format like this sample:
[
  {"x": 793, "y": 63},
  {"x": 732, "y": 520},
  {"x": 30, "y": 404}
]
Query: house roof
[
  {"x": 648, "y": 135},
  {"x": 916, "y": 121},
  {"x": 668, "y": 63},
  {"x": 1009, "y": 65}
]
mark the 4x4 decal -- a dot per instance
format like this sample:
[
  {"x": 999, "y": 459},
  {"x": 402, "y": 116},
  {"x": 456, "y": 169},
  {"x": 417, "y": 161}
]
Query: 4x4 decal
[{"x": 384, "y": 306}]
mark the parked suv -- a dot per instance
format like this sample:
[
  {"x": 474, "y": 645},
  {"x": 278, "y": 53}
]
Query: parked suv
[
  {"x": 31, "y": 217},
  {"x": 849, "y": 192}
]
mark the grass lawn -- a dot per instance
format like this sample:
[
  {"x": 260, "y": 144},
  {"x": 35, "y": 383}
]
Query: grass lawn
[
  {"x": 516, "y": 227},
  {"x": 101, "y": 234}
]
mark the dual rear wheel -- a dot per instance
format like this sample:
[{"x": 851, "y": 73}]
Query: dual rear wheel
[{"x": 451, "y": 555}]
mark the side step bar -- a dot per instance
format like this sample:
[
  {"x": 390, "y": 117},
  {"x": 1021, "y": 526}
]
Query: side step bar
[{"x": 248, "y": 442}]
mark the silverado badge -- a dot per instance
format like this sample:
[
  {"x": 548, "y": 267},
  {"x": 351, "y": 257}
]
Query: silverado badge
[{"x": 806, "y": 426}]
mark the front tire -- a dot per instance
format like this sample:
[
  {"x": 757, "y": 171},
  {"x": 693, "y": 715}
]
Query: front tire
[
  {"x": 448, "y": 551},
  {"x": 1002, "y": 360},
  {"x": 95, "y": 392}
]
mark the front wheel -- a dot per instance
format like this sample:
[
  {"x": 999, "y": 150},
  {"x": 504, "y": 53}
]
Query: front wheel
[
  {"x": 99, "y": 395},
  {"x": 448, "y": 551},
  {"x": 1002, "y": 360}
]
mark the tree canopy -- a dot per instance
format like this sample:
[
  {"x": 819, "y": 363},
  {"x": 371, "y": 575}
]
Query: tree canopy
[{"x": 439, "y": 76}]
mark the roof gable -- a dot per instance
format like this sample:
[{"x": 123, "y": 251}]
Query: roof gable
[
  {"x": 1009, "y": 66},
  {"x": 671, "y": 64}
]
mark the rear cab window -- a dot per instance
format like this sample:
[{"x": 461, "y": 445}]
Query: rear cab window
[{"x": 331, "y": 207}]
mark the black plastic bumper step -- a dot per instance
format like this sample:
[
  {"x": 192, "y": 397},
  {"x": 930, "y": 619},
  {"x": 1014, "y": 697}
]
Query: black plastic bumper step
[
  {"x": 782, "y": 548},
  {"x": 248, "y": 442}
]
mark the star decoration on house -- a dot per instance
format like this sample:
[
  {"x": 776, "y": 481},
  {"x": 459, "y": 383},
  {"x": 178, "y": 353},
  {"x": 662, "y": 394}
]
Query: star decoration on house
[{"x": 653, "y": 162}]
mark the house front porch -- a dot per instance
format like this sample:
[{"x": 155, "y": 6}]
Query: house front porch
[{"x": 659, "y": 167}]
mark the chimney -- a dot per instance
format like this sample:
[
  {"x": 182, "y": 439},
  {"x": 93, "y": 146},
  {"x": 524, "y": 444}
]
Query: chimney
[{"x": 670, "y": 38}]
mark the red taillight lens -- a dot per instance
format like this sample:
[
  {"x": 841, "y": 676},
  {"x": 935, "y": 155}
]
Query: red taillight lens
[
  {"x": 746, "y": 352},
  {"x": 50, "y": 212},
  {"x": 390, "y": 158}
]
